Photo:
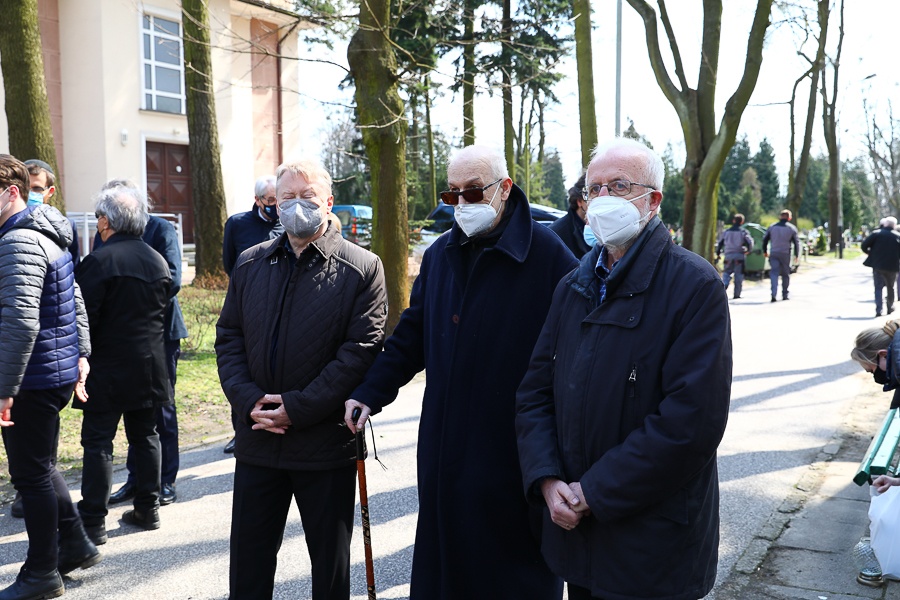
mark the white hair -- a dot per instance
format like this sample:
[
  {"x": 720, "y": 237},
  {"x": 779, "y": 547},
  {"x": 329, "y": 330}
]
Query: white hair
[
  {"x": 654, "y": 171},
  {"x": 491, "y": 158},
  {"x": 262, "y": 184},
  {"x": 889, "y": 222}
]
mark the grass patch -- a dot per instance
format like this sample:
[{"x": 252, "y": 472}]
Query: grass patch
[{"x": 203, "y": 411}]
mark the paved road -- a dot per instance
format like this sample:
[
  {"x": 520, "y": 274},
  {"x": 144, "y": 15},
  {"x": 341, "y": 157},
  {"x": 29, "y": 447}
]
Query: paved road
[{"x": 793, "y": 382}]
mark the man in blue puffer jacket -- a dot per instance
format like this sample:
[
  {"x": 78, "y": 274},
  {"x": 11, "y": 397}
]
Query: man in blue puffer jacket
[{"x": 44, "y": 344}]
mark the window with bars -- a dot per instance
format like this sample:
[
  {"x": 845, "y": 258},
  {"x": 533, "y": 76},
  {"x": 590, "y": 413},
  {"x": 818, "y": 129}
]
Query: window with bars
[{"x": 163, "y": 74}]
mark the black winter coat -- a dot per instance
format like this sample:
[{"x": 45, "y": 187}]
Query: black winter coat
[
  {"x": 473, "y": 331},
  {"x": 570, "y": 229},
  {"x": 126, "y": 287},
  {"x": 630, "y": 397},
  {"x": 883, "y": 249},
  {"x": 307, "y": 329}
]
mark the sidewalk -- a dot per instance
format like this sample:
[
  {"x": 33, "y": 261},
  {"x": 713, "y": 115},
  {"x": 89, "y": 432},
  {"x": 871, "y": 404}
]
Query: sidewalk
[{"x": 804, "y": 551}]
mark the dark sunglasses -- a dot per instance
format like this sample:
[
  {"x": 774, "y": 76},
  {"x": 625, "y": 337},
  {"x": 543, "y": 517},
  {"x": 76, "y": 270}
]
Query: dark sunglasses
[{"x": 471, "y": 195}]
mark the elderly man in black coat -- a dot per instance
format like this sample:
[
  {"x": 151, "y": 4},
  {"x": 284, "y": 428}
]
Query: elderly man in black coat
[
  {"x": 626, "y": 400},
  {"x": 303, "y": 320},
  {"x": 883, "y": 250},
  {"x": 474, "y": 314},
  {"x": 126, "y": 286}
]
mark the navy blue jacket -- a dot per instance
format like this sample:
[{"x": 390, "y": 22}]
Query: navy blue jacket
[
  {"x": 630, "y": 398},
  {"x": 245, "y": 230},
  {"x": 39, "y": 303},
  {"x": 570, "y": 229},
  {"x": 472, "y": 328},
  {"x": 160, "y": 235}
]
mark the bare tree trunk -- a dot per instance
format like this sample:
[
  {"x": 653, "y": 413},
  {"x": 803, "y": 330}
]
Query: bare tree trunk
[
  {"x": 829, "y": 120},
  {"x": 581, "y": 10},
  {"x": 27, "y": 108},
  {"x": 416, "y": 185},
  {"x": 706, "y": 148},
  {"x": 469, "y": 75},
  {"x": 207, "y": 187},
  {"x": 797, "y": 180},
  {"x": 432, "y": 167},
  {"x": 508, "y": 133},
  {"x": 380, "y": 108}
]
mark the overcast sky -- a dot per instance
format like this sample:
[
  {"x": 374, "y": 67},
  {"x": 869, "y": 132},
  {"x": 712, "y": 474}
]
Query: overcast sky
[{"x": 870, "y": 27}]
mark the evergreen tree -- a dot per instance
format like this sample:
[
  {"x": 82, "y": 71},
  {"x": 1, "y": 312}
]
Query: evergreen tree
[
  {"x": 737, "y": 161},
  {"x": 554, "y": 182},
  {"x": 769, "y": 187}
]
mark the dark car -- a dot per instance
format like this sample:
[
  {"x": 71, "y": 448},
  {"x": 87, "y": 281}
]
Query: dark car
[
  {"x": 356, "y": 223},
  {"x": 442, "y": 215}
]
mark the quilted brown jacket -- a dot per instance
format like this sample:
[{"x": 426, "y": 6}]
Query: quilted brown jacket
[{"x": 307, "y": 328}]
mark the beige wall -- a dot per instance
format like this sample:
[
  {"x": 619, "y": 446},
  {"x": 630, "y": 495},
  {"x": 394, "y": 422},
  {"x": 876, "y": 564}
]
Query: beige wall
[{"x": 104, "y": 130}]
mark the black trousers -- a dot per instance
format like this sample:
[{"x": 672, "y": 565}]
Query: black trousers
[
  {"x": 31, "y": 450},
  {"x": 262, "y": 497},
  {"x": 166, "y": 425},
  {"x": 98, "y": 429}
]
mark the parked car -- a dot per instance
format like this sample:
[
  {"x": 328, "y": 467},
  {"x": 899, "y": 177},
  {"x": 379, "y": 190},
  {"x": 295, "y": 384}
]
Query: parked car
[
  {"x": 442, "y": 215},
  {"x": 356, "y": 223}
]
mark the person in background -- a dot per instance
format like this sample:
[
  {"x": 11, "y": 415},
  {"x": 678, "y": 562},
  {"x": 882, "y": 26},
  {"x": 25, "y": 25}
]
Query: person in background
[
  {"x": 474, "y": 314},
  {"x": 737, "y": 243},
  {"x": 782, "y": 235},
  {"x": 127, "y": 287},
  {"x": 160, "y": 235},
  {"x": 883, "y": 250},
  {"x": 626, "y": 399},
  {"x": 302, "y": 321},
  {"x": 44, "y": 345},
  {"x": 570, "y": 228},
  {"x": 43, "y": 186}
]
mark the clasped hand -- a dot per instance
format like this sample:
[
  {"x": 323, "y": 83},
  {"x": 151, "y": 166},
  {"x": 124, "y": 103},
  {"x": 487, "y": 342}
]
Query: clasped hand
[
  {"x": 270, "y": 415},
  {"x": 565, "y": 501}
]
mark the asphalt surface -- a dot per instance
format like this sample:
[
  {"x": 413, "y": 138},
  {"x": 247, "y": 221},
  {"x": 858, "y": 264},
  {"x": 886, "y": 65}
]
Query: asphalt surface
[{"x": 793, "y": 394}]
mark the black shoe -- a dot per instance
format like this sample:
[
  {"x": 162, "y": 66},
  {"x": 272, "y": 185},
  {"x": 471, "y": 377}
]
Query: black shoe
[
  {"x": 167, "y": 494},
  {"x": 97, "y": 534},
  {"x": 124, "y": 493},
  {"x": 785, "y": 297},
  {"x": 890, "y": 310},
  {"x": 774, "y": 299},
  {"x": 736, "y": 298},
  {"x": 145, "y": 520},
  {"x": 17, "y": 510},
  {"x": 34, "y": 586},
  {"x": 77, "y": 551},
  {"x": 877, "y": 313},
  {"x": 229, "y": 447}
]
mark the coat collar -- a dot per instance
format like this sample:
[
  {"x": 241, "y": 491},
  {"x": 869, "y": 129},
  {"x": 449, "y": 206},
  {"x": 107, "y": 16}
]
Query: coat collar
[
  {"x": 515, "y": 241},
  {"x": 633, "y": 273}
]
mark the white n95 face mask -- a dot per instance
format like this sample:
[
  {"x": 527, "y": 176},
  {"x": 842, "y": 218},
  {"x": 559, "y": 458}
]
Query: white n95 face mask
[
  {"x": 475, "y": 219},
  {"x": 615, "y": 221}
]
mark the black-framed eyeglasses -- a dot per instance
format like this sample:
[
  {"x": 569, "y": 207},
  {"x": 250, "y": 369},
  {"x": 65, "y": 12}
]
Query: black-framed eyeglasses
[
  {"x": 617, "y": 187},
  {"x": 97, "y": 215},
  {"x": 39, "y": 189},
  {"x": 470, "y": 195}
]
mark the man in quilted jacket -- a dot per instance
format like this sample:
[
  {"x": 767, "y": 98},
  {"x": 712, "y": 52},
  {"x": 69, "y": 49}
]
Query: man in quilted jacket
[
  {"x": 302, "y": 321},
  {"x": 44, "y": 343}
]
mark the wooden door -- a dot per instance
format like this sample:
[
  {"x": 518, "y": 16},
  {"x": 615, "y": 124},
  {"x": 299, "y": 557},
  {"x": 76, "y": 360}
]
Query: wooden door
[{"x": 169, "y": 183}]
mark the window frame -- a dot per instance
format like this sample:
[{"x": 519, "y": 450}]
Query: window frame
[{"x": 150, "y": 88}]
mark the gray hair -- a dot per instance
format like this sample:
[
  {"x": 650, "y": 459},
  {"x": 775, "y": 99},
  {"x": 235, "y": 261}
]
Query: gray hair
[
  {"x": 313, "y": 172},
  {"x": 890, "y": 222},
  {"x": 489, "y": 157},
  {"x": 262, "y": 183},
  {"x": 125, "y": 208},
  {"x": 653, "y": 171}
]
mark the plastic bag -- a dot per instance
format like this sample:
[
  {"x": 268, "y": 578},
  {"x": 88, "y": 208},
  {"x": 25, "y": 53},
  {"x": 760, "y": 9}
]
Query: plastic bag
[{"x": 884, "y": 514}]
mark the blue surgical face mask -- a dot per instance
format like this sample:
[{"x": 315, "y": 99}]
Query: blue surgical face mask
[
  {"x": 589, "y": 238},
  {"x": 35, "y": 199}
]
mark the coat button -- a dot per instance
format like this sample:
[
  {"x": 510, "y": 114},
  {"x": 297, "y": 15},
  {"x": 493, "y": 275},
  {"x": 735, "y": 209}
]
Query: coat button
[
  {"x": 630, "y": 319},
  {"x": 456, "y": 318}
]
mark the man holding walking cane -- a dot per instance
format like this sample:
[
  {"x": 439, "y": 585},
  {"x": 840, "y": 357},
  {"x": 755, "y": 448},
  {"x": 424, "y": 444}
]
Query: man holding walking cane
[{"x": 303, "y": 320}]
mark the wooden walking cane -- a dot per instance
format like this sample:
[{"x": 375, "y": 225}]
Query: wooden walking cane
[{"x": 364, "y": 506}]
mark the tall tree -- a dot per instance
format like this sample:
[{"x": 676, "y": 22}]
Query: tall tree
[
  {"x": 769, "y": 186},
  {"x": 27, "y": 108},
  {"x": 883, "y": 145},
  {"x": 829, "y": 120},
  {"x": 207, "y": 187},
  {"x": 799, "y": 165},
  {"x": 706, "y": 147},
  {"x": 468, "y": 82},
  {"x": 381, "y": 118},
  {"x": 587, "y": 116}
]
